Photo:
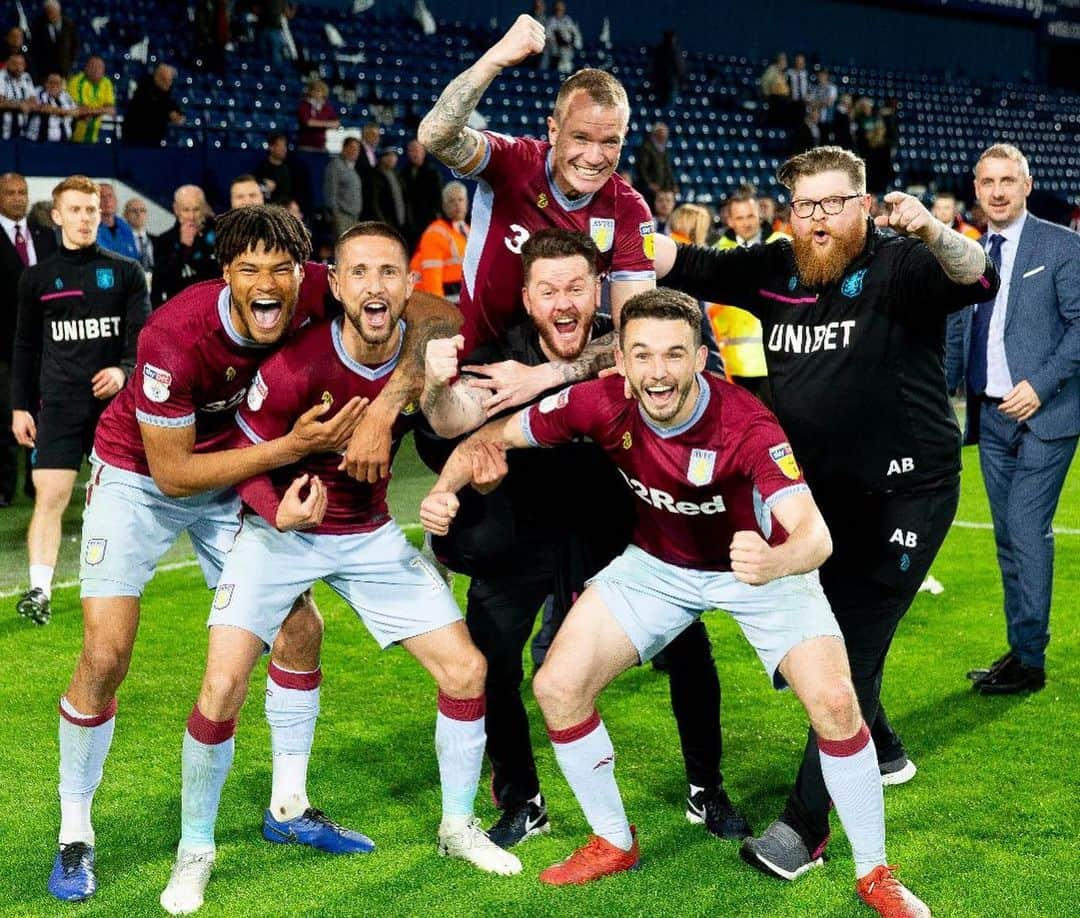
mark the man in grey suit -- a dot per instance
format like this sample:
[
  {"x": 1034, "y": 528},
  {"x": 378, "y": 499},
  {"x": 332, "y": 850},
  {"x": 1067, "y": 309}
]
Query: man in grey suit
[{"x": 1023, "y": 361}]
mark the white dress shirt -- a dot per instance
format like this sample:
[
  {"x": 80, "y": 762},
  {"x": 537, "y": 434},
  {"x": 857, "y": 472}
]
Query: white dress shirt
[
  {"x": 9, "y": 228},
  {"x": 999, "y": 380}
]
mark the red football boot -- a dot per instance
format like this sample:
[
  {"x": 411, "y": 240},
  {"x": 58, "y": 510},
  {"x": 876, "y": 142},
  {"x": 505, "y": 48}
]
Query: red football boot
[
  {"x": 595, "y": 859},
  {"x": 890, "y": 898}
]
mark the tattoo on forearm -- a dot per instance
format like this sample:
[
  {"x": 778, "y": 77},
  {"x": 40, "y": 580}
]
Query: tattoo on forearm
[
  {"x": 599, "y": 354},
  {"x": 444, "y": 127},
  {"x": 962, "y": 259}
]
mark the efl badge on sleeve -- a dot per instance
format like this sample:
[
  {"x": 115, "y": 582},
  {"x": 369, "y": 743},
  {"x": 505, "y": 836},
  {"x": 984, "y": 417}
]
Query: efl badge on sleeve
[
  {"x": 156, "y": 383},
  {"x": 554, "y": 401},
  {"x": 95, "y": 551},
  {"x": 256, "y": 395},
  {"x": 105, "y": 278},
  {"x": 223, "y": 596},
  {"x": 648, "y": 239},
  {"x": 784, "y": 458},
  {"x": 602, "y": 231},
  {"x": 702, "y": 463}
]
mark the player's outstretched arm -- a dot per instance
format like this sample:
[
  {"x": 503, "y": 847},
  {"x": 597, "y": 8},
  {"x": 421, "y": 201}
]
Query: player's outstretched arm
[
  {"x": 427, "y": 317},
  {"x": 808, "y": 544},
  {"x": 963, "y": 260},
  {"x": 180, "y": 472},
  {"x": 443, "y": 132}
]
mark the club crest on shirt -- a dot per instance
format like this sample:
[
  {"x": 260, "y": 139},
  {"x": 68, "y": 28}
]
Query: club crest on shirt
[
  {"x": 784, "y": 457},
  {"x": 554, "y": 401},
  {"x": 223, "y": 596},
  {"x": 256, "y": 395},
  {"x": 852, "y": 285},
  {"x": 59, "y": 283},
  {"x": 411, "y": 408},
  {"x": 105, "y": 278},
  {"x": 602, "y": 231},
  {"x": 700, "y": 470},
  {"x": 156, "y": 383},
  {"x": 95, "y": 551}
]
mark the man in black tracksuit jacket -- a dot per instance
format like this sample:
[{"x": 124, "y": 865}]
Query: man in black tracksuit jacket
[
  {"x": 80, "y": 311},
  {"x": 856, "y": 368}
]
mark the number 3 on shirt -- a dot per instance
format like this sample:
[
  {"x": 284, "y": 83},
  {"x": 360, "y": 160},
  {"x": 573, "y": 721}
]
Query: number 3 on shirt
[{"x": 515, "y": 242}]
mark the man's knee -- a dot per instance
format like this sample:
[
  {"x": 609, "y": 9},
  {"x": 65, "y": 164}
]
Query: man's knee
[
  {"x": 223, "y": 693},
  {"x": 465, "y": 677},
  {"x": 555, "y": 692},
  {"x": 53, "y": 493},
  {"x": 103, "y": 664},
  {"x": 834, "y": 709}
]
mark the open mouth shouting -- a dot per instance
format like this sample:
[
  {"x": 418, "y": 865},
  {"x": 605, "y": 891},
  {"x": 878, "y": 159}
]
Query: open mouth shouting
[
  {"x": 266, "y": 313},
  {"x": 376, "y": 313},
  {"x": 566, "y": 325},
  {"x": 821, "y": 236},
  {"x": 660, "y": 396}
]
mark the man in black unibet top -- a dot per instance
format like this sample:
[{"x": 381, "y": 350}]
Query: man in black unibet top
[
  {"x": 80, "y": 310},
  {"x": 559, "y": 517},
  {"x": 853, "y": 321}
]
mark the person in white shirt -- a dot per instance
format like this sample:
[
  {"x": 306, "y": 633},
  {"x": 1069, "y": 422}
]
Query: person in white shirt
[
  {"x": 18, "y": 97},
  {"x": 137, "y": 215},
  {"x": 51, "y": 120}
]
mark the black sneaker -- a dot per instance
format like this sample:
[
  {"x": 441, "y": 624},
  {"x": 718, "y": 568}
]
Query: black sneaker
[
  {"x": 520, "y": 822},
  {"x": 781, "y": 852},
  {"x": 712, "y": 808},
  {"x": 35, "y": 605}
]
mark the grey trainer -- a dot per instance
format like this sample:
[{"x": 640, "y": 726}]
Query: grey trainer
[{"x": 780, "y": 852}]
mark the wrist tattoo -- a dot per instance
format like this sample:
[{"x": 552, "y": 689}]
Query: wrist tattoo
[{"x": 962, "y": 259}]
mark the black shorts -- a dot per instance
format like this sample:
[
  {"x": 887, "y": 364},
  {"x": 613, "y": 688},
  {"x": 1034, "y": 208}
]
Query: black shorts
[{"x": 65, "y": 433}]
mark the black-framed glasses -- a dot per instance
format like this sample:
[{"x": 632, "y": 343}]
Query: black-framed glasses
[{"x": 832, "y": 205}]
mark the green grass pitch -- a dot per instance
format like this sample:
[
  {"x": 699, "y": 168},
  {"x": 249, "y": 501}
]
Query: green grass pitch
[{"x": 989, "y": 827}]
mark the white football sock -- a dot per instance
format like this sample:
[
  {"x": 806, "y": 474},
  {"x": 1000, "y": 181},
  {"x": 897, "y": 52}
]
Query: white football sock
[
  {"x": 207, "y": 758},
  {"x": 84, "y": 743},
  {"x": 292, "y": 707},
  {"x": 587, "y": 759},
  {"x": 851, "y": 773},
  {"x": 41, "y": 578},
  {"x": 459, "y": 746}
]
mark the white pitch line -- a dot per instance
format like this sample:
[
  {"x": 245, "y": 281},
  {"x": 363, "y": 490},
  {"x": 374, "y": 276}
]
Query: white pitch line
[{"x": 180, "y": 565}]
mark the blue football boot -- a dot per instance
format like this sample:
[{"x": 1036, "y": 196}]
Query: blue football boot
[
  {"x": 315, "y": 829},
  {"x": 72, "y": 878}
]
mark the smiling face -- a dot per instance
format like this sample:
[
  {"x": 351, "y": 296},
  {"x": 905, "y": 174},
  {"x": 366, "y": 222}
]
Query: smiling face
[
  {"x": 660, "y": 362},
  {"x": 586, "y": 142},
  {"x": 561, "y": 296},
  {"x": 742, "y": 217},
  {"x": 264, "y": 287},
  {"x": 78, "y": 215},
  {"x": 1002, "y": 187},
  {"x": 825, "y": 244},
  {"x": 372, "y": 281}
]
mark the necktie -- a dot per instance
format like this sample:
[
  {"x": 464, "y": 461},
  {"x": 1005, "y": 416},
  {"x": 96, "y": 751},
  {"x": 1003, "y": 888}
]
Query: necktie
[
  {"x": 980, "y": 329},
  {"x": 20, "y": 246}
]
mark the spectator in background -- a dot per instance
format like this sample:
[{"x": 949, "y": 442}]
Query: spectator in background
[
  {"x": 40, "y": 217},
  {"x": 663, "y": 205},
  {"x": 387, "y": 194},
  {"x": 342, "y": 189},
  {"x": 152, "y": 109},
  {"x": 840, "y": 131},
  {"x": 18, "y": 97},
  {"x": 271, "y": 34},
  {"x": 93, "y": 93},
  {"x": 776, "y": 91},
  {"x": 423, "y": 184},
  {"x": 949, "y": 211},
  {"x": 441, "y": 251},
  {"x": 184, "y": 254},
  {"x": 690, "y": 224},
  {"x": 316, "y": 116},
  {"x": 22, "y": 245},
  {"x": 14, "y": 43},
  {"x": 824, "y": 94},
  {"x": 137, "y": 215},
  {"x": 51, "y": 120},
  {"x": 245, "y": 191},
  {"x": 367, "y": 162},
  {"x": 563, "y": 39},
  {"x": 652, "y": 162},
  {"x": 977, "y": 216},
  {"x": 54, "y": 42},
  {"x": 798, "y": 78},
  {"x": 880, "y": 171},
  {"x": 668, "y": 68},
  {"x": 114, "y": 234},
  {"x": 746, "y": 225},
  {"x": 283, "y": 178},
  {"x": 807, "y": 133}
]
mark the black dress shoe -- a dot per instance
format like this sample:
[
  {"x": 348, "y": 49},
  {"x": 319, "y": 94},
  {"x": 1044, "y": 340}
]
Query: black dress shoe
[
  {"x": 977, "y": 675},
  {"x": 1014, "y": 677}
]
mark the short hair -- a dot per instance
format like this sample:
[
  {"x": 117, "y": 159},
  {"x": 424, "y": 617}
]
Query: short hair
[
  {"x": 371, "y": 228},
  {"x": 945, "y": 196},
  {"x": 823, "y": 159},
  {"x": 553, "y": 242},
  {"x": 692, "y": 220},
  {"x": 240, "y": 179},
  {"x": 352, "y": 138},
  {"x": 600, "y": 86},
  {"x": 745, "y": 193},
  {"x": 450, "y": 187},
  {"x": 75, "y": 183},
  {"x": 242, "y": 230},
  {"x": 662, "y": 303},
  {"x": 1006, "y": 151},
  {"x": 274, "y": 136}
]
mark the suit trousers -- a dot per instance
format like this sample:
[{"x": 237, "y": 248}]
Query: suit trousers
[{"x": 1023, "y": 477}]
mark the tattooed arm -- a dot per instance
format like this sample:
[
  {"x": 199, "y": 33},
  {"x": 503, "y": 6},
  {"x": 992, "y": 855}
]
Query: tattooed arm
[
  {"x": 450, "y": 404},
  {"x": 443, "y": 132},
  {"x": 963, "y": 260}
]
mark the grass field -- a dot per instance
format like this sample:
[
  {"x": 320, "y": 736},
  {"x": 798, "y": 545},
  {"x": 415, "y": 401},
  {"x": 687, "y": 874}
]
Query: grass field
[{"x": 989, "y": 827}]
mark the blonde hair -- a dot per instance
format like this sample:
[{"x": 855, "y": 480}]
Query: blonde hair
[
  {"x": 1006, "y": 151},
  {"x": 317, "y": 86},
  {"x": 75, "y": 183},
  {"x": 823, "y": 159},
  {"x": 601, "y": 87},
  {"x": 692, "y": 220}
]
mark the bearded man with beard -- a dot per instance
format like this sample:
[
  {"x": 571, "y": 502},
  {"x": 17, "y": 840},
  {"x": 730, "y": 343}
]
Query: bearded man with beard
[{"x": 853, "y": 318}]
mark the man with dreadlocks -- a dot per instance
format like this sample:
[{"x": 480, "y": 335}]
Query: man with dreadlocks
[{"x": 160, "y": 467}]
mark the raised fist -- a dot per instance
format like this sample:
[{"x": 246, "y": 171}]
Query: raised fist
[
  {"x": 525, "y": 38},
  {"x": 441, "y": 360}
]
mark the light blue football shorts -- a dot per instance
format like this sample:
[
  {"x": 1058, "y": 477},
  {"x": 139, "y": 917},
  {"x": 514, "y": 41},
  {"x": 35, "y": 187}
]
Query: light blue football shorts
[
  {"x": 394, "y": 592},
  {"x": 128, "y": 524},
  {"x": 654, "y": 602}
]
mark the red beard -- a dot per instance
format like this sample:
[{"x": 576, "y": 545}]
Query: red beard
[{"x": 818, "y": 266}]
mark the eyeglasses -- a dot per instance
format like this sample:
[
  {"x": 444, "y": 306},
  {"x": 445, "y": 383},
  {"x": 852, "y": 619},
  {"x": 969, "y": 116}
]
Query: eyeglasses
[{"x": 831, "y": 206}]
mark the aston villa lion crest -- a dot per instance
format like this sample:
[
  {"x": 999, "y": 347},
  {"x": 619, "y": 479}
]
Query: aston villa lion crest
[
  {"x": 702, "y": 463},
  {"x": 602, "y": 231}
]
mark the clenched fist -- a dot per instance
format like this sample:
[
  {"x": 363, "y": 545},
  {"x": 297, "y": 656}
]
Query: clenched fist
[
  {"x": 441, "y": 360},
  {"x": 524, "y": 38},
  {"x": 437, "y": 512}
]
